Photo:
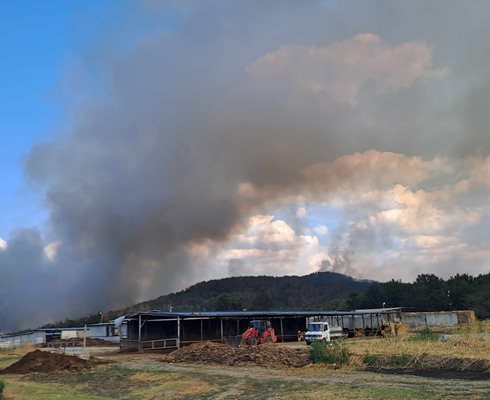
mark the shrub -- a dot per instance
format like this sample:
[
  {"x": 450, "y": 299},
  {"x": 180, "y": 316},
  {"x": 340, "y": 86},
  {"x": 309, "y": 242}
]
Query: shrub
[
  {"x": 426, "y": 335},
  {"x": 369, "y": 359},
  {"x": 335, "y": 352},
  {"x": 2, "y": 386},
  {"x": 400, "y": 360}
]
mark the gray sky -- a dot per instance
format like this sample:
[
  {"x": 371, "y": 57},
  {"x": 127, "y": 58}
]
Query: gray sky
[{"x": 218, "y": 138}]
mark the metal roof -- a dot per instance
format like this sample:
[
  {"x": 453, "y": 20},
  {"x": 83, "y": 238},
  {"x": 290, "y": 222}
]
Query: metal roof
[{"x": 253, "y": 314}]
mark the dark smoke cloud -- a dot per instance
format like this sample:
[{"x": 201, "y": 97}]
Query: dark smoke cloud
[
  {"x": 156, "y": 162},
  {"x": 27, "y": 280}
]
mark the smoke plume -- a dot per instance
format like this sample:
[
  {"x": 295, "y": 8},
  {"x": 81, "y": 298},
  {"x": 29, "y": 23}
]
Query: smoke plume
[{"x": 228, "y": 111}]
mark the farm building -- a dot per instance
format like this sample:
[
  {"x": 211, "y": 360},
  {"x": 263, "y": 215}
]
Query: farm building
[
  {"x": 155, "y": 330},
  {"x": 106, "y": 331},
  {"x": 437, "y": 320},
  {"x": 72, "y": 333},
  {"x": 22, "y": 339}
]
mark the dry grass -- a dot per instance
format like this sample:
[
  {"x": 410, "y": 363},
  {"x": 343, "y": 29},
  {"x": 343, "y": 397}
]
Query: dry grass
[
  {"x": 475, "y": 328},
  {"x": 171, "y": 386},
  {"x": 458, "y": 353},
  {"x": 460, "y": 346},
  {"x": 8, "y": 357}
]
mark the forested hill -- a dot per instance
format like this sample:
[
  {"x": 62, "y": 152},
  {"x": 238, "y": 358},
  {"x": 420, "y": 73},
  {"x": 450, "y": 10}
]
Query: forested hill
[
  {"x": 321, "y": 290},
  {"x": 312, "y": 291}
]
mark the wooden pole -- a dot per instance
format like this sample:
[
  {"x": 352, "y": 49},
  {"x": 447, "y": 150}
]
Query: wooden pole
[
  {"x": 140, "y": 349},
  {"x": 178, "y": 332}
]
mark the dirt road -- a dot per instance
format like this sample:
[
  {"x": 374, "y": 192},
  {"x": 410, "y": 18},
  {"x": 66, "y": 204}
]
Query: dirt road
[{"x": 128, "y": 376}]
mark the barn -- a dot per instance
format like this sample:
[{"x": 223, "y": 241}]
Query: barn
[{"x": 160, "y": 330}]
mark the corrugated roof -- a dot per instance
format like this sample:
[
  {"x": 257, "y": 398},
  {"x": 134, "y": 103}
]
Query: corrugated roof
[{"x": 252, "y": 314}]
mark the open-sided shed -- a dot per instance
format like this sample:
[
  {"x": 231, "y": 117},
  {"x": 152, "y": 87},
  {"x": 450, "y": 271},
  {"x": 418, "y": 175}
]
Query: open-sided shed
[{"x": 156, "y": 330}]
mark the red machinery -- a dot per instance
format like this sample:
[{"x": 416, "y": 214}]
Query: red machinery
[{"x": 258, "y": 332}]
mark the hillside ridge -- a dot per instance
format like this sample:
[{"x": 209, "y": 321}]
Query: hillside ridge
[{"x": 319, "y": 290}]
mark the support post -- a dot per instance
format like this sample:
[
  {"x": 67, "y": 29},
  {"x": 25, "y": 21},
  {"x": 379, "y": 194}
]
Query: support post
[
  {"x": 140, "y": 349},
  {"x": 178, "y": 332},
  {"x": 221, "y": 321},
  {"x": 201, "y": 330},
  {"x": 282, "y": 331},
  {"x": 84, "y": 338}
]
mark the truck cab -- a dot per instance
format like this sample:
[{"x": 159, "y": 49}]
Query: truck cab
[{"x": 322, "y": 331}]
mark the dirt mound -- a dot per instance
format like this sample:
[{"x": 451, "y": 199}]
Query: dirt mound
[
  {"x": 267, "y": 355},
  {"x": 90, "y": 342},
  {"x": 42, "y": 361}
]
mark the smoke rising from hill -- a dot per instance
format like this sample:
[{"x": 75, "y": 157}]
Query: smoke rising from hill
[{"x": 203, "y": 125}]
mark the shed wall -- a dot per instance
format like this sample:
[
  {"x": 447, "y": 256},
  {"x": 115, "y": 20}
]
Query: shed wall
[{"x": 10, "y": 342}]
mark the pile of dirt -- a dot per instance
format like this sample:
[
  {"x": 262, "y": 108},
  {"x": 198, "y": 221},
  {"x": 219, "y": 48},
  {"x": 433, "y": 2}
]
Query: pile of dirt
[
  {"x": 267, "y": 355},
  {"x": 42, "y": 361},
  {"x": 90, "y": 342}
]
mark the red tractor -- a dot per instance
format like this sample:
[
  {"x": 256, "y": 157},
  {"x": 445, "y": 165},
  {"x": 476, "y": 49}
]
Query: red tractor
[{"x": 258, "y": 332}]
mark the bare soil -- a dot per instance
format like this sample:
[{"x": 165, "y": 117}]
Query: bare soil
[
  {"x": 91, "y": 342},
  {"x": 266, "y": 355},
  {"x": 42, "y": 361},
  {"x": 437, "y": 374}
]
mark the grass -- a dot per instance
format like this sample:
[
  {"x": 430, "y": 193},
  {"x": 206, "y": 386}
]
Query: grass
[
  {"x": 426, "y": 335},
  {"x": 266, "y": 388},
  {"x": 422, "y": 351},
  {"x": 370, "y": 359},
  {"x": 464, "y": 346},
  {"x": 146, "y": 378},
  {"x": 336, "y": 352},
  {"x": 20, "y": 388}
]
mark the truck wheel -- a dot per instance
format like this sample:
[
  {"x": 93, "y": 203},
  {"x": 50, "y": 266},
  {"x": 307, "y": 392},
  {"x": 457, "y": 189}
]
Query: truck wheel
[
  {"x": 252, "y": 341},
  {"x": 307, "y": 342},
  {"x": 269, "y": 340}
]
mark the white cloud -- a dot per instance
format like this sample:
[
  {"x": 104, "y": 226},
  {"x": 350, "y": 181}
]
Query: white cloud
[
  {"x": 342, "y": 69},
  {"x": 265, "y": 246},
  {"x": 3, "y": 245},
  {"x": 395, "y": 210},
  {"x": 320, "y": 230},
  {"x": 51, "y": 250},
  {"x": 301, "y": 212}
]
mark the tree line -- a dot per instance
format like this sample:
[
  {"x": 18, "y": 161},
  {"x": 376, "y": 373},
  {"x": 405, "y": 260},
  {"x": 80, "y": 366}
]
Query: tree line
[
  {"x": 318, "y": 291},
  {"x": 428, "y": 293}
]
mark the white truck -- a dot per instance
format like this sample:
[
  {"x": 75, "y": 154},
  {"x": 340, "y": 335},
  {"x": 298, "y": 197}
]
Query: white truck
[{"x": 322, "y": 331}]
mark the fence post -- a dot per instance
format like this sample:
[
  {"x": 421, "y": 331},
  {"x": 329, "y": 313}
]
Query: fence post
[
  {"x": 178, "y": 332},
  {"x": 139, "y": 334},
  {"x": 84, "y": 338}
]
